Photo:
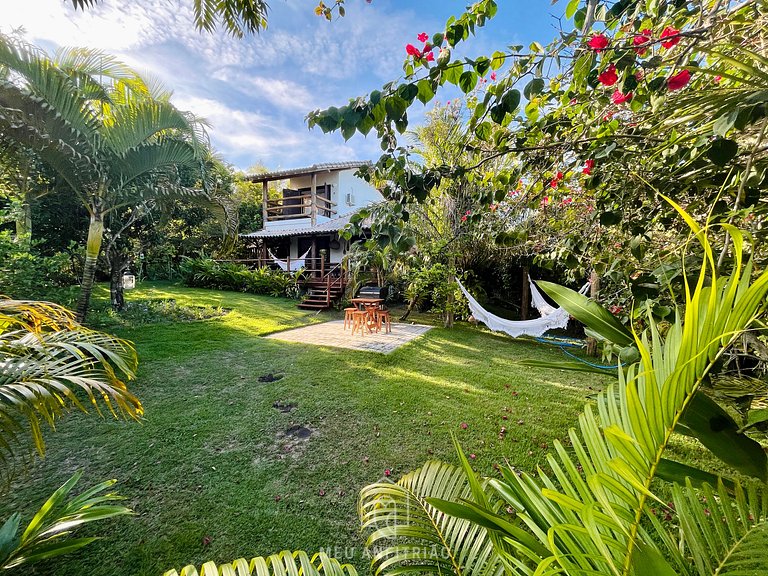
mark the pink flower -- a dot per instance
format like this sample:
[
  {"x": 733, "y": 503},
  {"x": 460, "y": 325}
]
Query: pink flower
[
  {"x": 545, "y": 201},
  {"x": 387, "y": 473},
  {"x": 717, "y": 79},
  {"x": 567, "y": 200},
  {"x": 411, "y": 50},
  {"x": 430, "y": 57},
  {"x": 609, "y": 76},
  {"x": 423, "y": 37},
  {"x": 679, "y": 80},
  {"x": 493, "y": 76},
  {"x": 493, "y": 207},
  {"x": 620, "y": 98},
  {"x": 598, "y": 42},
  {"x": 588, "y": 165},
  {"x": 464, "y": 426},
  {"x": 468, "y": 212},
  {"x": 673, "y": 35},
  {"x": 639, "y": 75},
  {"x": 472, "y": 456},
  {"x": 463, "y": 218},
  {"x": 643, "y": 38},
  {"x": 573, "y": 102}
]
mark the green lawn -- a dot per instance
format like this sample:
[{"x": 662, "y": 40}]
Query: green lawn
[{"x": 210, "y": 473}]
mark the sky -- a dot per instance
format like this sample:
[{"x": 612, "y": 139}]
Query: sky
[{"x": 255, "y": 92}]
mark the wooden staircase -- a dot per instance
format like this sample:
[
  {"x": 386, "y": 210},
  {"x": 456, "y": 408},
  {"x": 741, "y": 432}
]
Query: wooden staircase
[{"x": 323, "y": 293}]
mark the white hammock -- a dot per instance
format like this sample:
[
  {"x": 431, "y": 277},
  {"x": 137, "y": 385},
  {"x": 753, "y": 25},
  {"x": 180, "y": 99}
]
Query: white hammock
[
  {"x": 556, "y": 318},
  {"x": 295, "y": 264}
]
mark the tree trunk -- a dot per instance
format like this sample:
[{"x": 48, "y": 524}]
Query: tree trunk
[
  {"x": 526, "y": 295},
  {"x": 449, "y": 297},
  {"x": 594, "y": 280},
  {"x": 24, "y": 223},
  {"x": 92, "y": 249},
  {"x": 411, "y": 306},
  {"x": 116, "y": 289}
]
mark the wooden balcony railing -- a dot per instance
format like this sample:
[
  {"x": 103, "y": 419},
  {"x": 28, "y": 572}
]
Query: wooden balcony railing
[{"x": 294, "y": 207}]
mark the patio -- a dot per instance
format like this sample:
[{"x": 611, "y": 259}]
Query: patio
[{"x": 333, "y": 334}]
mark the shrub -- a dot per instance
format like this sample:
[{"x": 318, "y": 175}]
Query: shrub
[
  {"x": 208, "y": 273},
  {"x": 27, "y": 275}
]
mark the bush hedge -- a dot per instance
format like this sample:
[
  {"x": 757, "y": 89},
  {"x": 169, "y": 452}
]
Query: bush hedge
[{"x": 208, "y": 273}]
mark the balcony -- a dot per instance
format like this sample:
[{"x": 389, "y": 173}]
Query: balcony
[{"x": 299, "y": 204}]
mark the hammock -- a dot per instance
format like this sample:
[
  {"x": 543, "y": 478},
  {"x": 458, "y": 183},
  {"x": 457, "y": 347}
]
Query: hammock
[
  {"x": 295, "y": 264},
  {"x": 557, "y": 318}
]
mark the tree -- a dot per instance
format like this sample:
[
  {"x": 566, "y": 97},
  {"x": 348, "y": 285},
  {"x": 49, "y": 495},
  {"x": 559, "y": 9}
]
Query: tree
[
  {"x": 101, "y": 129},
  {"x": 636, "y": 100}
]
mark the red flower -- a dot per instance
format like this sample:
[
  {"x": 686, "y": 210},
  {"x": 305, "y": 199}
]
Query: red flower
[
  {"x": 607, "y": 117},
  {"x": 463, "y": 218},
  {"x": 639, "y": 75},
  {"x": 545, "y": 201},
  {"x": 679, "y": 80},
  {"x": 493, "y": 76},
  {"x": 553, "y": 183},
  {"x": 413, "y": 51},
  {"x": 423, "y": 37},
  {"x": 620, "y": 98},
  {"x": 588, "y": 165},
  {"x": 573, "y": 102},
  {"x": 430, "y": 57},
  {"x": 609, "y": 77},
  {"x": 673, "y": 35},
  {"x": 717, "y": 79},
  {"x": 598, "y": 42},
  {"x": 387, "y": 473},
  {"x": 643, "y": 38},
  {"x": 567, "y": 200},
  {"x": 559, "y": 176}
]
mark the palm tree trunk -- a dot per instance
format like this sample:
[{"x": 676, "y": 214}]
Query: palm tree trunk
[{"x": 92, "y": 249}]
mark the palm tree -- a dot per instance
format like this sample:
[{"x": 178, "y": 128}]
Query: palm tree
[
  {"x": 239, "y": 17},
  {"x": 49, "y": 365},
  {"x": 113, "y": 138}
]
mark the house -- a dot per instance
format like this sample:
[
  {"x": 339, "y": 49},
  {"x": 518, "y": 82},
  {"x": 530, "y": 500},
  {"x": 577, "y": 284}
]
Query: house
[{"x": 301, "y": 227}]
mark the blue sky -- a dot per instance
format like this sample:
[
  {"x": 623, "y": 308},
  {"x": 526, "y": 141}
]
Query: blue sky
[{"x": 256, "y": 91}]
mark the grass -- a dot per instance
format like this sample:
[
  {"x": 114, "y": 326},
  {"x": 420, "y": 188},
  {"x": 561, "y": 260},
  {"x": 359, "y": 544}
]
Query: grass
[{"x": 210, "y": 473}]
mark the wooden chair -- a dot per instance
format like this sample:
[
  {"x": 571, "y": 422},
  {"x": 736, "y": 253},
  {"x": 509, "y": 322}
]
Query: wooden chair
[
  {"x": 348, "y": 312},
  {"x": 360, "y": 322},
  {"x": 383, "y": 317}
]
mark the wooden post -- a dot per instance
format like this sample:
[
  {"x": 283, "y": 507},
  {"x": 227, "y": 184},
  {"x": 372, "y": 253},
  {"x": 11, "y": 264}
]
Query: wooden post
[
  {"x": 314, "y": 254},
  {"x": 322, "y": 262},
  {"x": 526, "y": 295},
  {"x": 264, "y": 253},
  {"x": 264, "y": 196},
  {"x": 313, "y": 200},
  {"x": 594, "y": 289}
]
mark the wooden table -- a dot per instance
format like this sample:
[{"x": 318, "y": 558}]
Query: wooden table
[{"x": 370, "y": 304}]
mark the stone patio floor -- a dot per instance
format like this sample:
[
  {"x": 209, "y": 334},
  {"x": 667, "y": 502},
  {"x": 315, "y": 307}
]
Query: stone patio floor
[{"x": 333, "y": 334}]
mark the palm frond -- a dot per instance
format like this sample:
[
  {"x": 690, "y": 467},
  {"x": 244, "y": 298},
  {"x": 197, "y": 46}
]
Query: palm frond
[
  {"x": 150, "y": 157},
  {"x": 48, "y": 363},
  {"x": 726, "y": 530},
  {"x": 407, "y": 533},
  {"x": 47, "y": 535},
  {"x": 285, "y": 563},
  {"x": 137, "y": 122}
]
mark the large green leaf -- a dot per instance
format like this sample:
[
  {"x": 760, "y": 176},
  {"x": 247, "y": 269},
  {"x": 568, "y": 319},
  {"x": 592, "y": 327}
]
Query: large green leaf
[
  {"x": 716, "y": 429},
  {"x": 589, "y": 313}
]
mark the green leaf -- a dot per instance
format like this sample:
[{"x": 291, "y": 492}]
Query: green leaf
[
  {"x": 497, "y": 59},
  {"x": 511, "y": 100},
  {"x": 715, "y": 429},
  {"x": 571, "y": 8},
  {"x": 425, "y": 91},
  {"x": 8, "y": 536},
  {"x": 482, "y": 65},
  {"x": 648, "y": 560},
  {"x": 468, "y": 81},
  {"x": 722, "y": 151},
  {"x": 725, "y": 122},
  {"x": 610, "y": 218},
  {"x": 533, "y": 88},
  {"x": 589, "y": 313},
  {"x": 483, "y": 131},
  {"x": 678, "y": 472},
  {"x": 562, "y": 365}
]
